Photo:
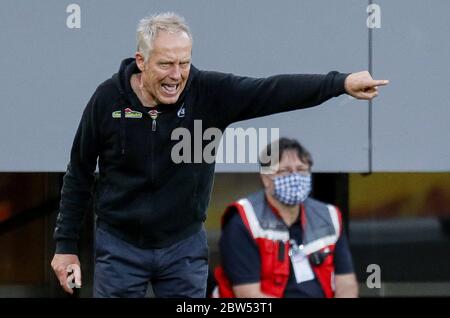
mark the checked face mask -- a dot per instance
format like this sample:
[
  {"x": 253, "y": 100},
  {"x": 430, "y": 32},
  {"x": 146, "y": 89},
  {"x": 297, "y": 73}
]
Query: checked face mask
[{"x": 292, "y": 189}]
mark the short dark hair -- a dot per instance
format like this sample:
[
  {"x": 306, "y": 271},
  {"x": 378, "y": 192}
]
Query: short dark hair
[{"x": 285, "y": 144}]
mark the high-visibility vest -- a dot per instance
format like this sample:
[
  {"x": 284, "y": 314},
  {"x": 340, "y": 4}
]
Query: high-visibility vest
[{"x": 322, "y": 226}]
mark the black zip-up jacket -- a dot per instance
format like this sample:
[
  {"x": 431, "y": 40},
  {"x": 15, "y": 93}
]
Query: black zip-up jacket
[{"x": 142, "y": 196}]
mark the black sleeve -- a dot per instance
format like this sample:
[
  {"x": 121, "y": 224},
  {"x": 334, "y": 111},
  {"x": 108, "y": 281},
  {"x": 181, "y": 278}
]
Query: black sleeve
[
  {"x": 239, "y": 253},
  {"x": 342, "y": 257},
  {"x": 236, "y": 98},
  {"x": 78, "y": 182}
]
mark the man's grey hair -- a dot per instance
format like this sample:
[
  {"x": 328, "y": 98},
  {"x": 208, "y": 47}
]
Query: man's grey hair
[{"x": 149, "y": 27}]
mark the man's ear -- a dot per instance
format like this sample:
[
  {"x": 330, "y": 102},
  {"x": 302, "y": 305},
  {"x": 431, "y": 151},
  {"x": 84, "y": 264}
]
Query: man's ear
[{"x": 140, "y": 61}]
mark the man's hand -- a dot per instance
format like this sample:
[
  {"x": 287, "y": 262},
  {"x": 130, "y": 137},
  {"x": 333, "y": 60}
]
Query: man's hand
[
  {"x": 62, "y": 265},
  {"x": 362, "y": 86}
]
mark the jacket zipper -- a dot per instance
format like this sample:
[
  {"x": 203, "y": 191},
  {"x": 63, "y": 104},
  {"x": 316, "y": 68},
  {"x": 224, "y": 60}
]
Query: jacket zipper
[{"x": 153, "y": 115}]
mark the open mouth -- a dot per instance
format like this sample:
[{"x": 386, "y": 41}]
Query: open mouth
[{"x": 170, "y": 89}]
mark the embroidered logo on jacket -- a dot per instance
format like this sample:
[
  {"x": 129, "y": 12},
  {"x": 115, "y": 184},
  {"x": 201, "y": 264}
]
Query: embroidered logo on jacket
[
  {"x": 129, "y": 113},
  {"x": 181, "y": 111}
]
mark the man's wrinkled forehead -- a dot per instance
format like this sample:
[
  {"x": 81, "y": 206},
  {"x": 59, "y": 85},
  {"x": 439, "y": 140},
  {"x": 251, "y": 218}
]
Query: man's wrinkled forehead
[{"x": 172, "y": 43}]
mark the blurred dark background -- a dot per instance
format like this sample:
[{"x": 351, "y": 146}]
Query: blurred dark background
[{"x": 392, "y": 220}]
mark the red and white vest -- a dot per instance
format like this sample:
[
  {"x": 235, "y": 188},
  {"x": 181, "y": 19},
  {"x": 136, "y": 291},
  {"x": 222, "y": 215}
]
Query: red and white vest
[{"x": 322, "y": 226}]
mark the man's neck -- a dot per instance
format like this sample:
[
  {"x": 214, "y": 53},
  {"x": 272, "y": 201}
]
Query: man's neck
[
  {"x": 140, "y": 92},
  {"x": 288, "y": 214}
]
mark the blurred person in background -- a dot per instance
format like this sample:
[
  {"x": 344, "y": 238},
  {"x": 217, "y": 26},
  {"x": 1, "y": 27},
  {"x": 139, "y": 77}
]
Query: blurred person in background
[{"x": 280, "y": 242}]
